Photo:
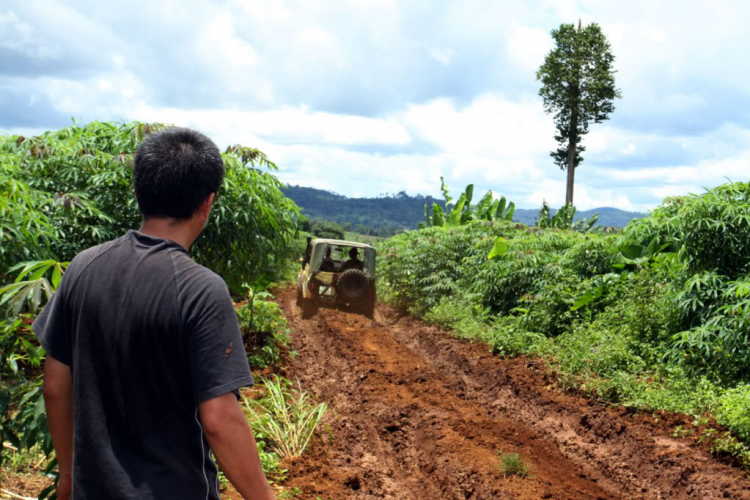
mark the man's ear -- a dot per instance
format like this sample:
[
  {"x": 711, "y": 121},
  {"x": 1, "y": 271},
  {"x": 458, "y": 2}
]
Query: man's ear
[{"x": 205, "y": 207}]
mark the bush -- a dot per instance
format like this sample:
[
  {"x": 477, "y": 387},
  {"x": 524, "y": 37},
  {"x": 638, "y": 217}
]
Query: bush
[
  {"x": 509, "y": 338},
  {"x": 656, "y": 318},
  {"x": 71, "y": 189},
  {"x": 592, "y": 256},
  {"x": 264, "y": 328},
  {"x": 715, "y": 227},
  {"x": 325, "y": 229},
  {"x": 733, "y": 411},
  {"x": 465, "y": 318}
]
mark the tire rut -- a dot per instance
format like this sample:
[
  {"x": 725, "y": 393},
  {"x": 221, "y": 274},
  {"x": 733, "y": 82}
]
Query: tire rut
[
  {"x": 627, "y": 452},
  {"x": 417, "y": 414},
  {"x": 405, "y": 428}
]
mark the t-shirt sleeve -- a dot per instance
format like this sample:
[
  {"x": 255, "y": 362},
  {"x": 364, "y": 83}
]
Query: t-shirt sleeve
[
  {"x": 216, "y": 354},
  {"x": 51, "y": 327}
]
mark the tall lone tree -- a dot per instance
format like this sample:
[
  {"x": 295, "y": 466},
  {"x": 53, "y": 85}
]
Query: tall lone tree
[{"x": 578, "y": 86}]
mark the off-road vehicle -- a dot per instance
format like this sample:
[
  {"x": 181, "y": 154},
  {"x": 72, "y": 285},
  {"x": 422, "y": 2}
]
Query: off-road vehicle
[{"x": 337, "y": 273}]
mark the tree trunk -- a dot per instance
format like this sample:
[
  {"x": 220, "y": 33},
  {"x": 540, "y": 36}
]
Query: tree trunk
[
  {"x": 571, "y": 158},
  {"x": 572, "y": 136}
]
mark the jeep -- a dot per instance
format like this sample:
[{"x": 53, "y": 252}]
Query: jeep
[{"x": 337, "y": 273}]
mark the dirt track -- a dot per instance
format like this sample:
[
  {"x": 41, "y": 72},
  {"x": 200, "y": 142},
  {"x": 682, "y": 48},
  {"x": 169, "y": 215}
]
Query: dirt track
[{"x": 419, "y": 415}]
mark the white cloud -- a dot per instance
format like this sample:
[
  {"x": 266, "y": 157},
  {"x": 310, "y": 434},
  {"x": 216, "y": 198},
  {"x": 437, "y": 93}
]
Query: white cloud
[
  {"x": 219, "y": 44},
  {"x": 489, "y": 125},
  {"x": 326, "y": 167},
  {"x": 288, "y": 125},
  {"x": 528, "y": 46},
  {"x": 347, "y": 96},
  {"x": 316, "y": 36},
  {"x": 19, "y": 36},
  {"x": 441, "y": 55},
  {"x": 705, "y": 173}
]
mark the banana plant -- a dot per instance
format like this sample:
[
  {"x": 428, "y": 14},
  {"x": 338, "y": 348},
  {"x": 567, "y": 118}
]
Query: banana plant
[
  {"x": 564, "y": 219},
  {"x": 461, "y": 212}
]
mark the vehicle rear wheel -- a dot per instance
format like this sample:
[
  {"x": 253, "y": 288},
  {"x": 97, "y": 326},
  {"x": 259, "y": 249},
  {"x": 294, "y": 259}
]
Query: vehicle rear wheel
[{"x": 352, "y": 285}]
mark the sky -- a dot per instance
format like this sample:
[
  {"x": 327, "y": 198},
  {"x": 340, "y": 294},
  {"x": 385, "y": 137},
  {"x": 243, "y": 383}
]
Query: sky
[{"x": 367, "y": 97}]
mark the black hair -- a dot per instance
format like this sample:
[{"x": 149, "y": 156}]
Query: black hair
[
  {"x": 353, "y": 253},
  {"x": 175, "y": 170}
]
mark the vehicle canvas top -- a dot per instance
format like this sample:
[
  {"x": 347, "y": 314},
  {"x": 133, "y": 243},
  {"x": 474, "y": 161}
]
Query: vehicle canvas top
[{"x": 319, "y": 247}]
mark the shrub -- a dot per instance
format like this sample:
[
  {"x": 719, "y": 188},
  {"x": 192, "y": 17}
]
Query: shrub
[
  {"x": 509, "y": 338},
  {"x": 465, "y": 317},
  {"x": 264, "y": 328},
  {"x": 592, "y": 256},
  {"x": 324, "y": 229},
  {"x": 72, "y": 189},
  {"x": 733, "y": 410}
]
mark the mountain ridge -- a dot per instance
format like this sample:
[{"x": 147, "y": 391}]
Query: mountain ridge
[{"x": 392, "y": 213}]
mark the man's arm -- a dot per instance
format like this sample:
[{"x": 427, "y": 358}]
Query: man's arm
[
  {"x": 232, "y": 442},
  {"x": 58, "y": 401}
]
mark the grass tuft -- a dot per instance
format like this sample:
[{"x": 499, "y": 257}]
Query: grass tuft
[
  {"x": 286, "y": 418},
  {"x": 512, "y": 465}
]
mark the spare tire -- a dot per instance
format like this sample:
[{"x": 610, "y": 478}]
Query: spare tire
[{"x": 352, "y": 285}]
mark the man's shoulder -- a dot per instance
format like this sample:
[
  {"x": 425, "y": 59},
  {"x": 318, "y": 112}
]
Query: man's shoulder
[
  {"x": 82, "y": 259},
  {"x": 191, "y": 276}
]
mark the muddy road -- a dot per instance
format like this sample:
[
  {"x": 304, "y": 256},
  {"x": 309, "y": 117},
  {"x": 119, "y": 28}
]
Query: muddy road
[{"x": 416, "y": 414}]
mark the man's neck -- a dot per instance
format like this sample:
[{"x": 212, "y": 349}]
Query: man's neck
[{"x": 180, "y": 232}]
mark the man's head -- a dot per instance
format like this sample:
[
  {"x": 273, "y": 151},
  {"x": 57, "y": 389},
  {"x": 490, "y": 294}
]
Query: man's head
[
  {"x": 328, "y": 253},
  {"x": 176, "y": 172},
  {"x": 353, "y": 253}
]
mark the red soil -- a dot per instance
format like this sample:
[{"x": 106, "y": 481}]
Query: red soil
[{"x": 417, "y": 414}]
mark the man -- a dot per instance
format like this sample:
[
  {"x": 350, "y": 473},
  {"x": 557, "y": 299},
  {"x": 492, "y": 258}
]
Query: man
[
  {"x": 353, "y": 262},
  {"x": 328, "y": 264},
  {"x": 144, "y": 353}
]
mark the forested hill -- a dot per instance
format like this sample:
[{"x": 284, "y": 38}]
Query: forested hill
[{"x": 388, "y": 214}]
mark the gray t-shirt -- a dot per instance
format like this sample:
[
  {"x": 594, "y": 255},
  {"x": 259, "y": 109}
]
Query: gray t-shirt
[{"x": 148, "y": 334}]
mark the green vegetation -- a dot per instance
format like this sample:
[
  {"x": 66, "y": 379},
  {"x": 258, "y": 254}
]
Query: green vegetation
[
  {"x": 384, "y": 216},
  {"x": 291, "y": 493},
  {"x": 323, "y": 229},
  {"x": 656, "y": 317},
  {"x": 361, "y": 238},
  {"x": 462, "y": 212},
  {"x": 392, "y": 214},
  {"x": 564, "y": 219},
  {"x": 285, "y": 417},
  {"x": 578, "y": 87},
  {"x": 512, "y": 465},
  {"x": 70, "y": 189},
  {"x": 264, "y": 329}
]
